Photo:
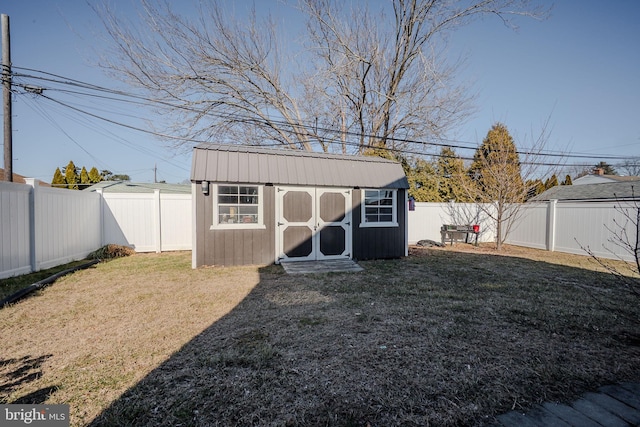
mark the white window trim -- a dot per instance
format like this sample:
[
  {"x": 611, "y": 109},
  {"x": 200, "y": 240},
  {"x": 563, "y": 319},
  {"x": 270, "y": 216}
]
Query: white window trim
[
  {"x": 394, "y": 206},
  {"x": 240, "y": 225}
]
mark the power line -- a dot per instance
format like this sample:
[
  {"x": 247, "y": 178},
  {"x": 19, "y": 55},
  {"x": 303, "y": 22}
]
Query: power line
[
  {"x": 93, "y": 115},
  {"x": 338, "y": 134},
  {"x": 50, "y": 119}
]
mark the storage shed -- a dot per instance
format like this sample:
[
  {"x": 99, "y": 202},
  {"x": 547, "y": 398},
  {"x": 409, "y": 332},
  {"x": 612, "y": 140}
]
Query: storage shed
[{"x": 255, "y": 205}]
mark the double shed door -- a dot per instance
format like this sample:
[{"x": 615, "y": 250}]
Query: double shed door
[{"x": 313, "y": 223}]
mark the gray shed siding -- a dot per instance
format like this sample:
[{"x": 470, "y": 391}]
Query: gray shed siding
[
  {"x": 379, "y": 242},
  {"x": 234, "y": 247}
]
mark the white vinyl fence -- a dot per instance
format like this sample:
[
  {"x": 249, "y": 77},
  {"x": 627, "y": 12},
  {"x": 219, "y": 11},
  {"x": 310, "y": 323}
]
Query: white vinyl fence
[
  {"x": 577, "y": 227},
  {"x": 427, "y": 218},
  {"x": 15, "y": 242},
  {"x": 41, "y": 227},
  {"x": 572, "y": 227},
  {"x": 148, "y": 222}
]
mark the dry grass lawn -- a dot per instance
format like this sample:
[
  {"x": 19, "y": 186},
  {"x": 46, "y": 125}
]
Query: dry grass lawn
[{"x": 445, "y": 337}]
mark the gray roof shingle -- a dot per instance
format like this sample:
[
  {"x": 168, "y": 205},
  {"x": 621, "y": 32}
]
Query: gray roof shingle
[
  {"x": 623, "y": 190},
  {"x": 133, "y": 187}
]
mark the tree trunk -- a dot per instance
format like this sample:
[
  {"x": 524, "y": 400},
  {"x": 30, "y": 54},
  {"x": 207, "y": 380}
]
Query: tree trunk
[{"x": 499, "y": 229}]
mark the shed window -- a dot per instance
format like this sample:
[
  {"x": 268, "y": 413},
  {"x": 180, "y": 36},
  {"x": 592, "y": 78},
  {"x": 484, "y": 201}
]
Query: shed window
[
  {"x": 379, "y": 208},
  {"x": 238, "y": 206}
]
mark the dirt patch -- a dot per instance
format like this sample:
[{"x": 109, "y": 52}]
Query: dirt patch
[{"x": 450, "y": 336}]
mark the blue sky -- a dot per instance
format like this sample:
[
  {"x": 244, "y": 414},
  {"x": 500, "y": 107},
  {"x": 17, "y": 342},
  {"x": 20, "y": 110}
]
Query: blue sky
[{"x": 580, "y": 68}]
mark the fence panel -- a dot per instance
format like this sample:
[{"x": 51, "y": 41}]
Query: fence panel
[
  {"x": 574, "y": 227},
  {"x": 175, "y": 221},
  {"x": 427, "y": 218},
  {"x": 67, "y": 225},
  {"x": 530, "y": 227},
  {"x": 130, "y": 220},
  {"x": 425, "y": 221},
  {"x": 41, "y": 227},
  {"x": 148, "y": 222},
  {"x": 15, "y": 253},
  {"x": 581, "y": 226}
]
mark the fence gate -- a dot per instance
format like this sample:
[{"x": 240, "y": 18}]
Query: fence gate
[{"x": 313, "y": 223}]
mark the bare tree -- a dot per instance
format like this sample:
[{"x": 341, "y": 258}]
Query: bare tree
[
  {"x": 624, "y": 235},
  {"x": 384, "y": 86},
  {"x": 215, "y": 75},
  {"x": 630, "y": 167},
  {"x": 362, "y": 80},
  {"x": 578, "y": 170},
  {"x": 502, "y": 176}
]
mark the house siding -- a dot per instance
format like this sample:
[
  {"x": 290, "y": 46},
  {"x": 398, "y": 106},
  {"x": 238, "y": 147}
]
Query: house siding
[{"x": 379, "y": 242}]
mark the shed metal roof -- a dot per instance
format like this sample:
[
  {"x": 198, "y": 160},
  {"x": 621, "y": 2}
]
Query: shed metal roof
[
  {"x": 624, "y": 190},
  {"x": 248, "y": 164}
]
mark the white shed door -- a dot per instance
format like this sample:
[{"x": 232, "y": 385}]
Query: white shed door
[{"x": 313, "y": 223}]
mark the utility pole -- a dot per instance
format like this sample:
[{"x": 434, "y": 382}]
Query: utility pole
[
  {"x": 155, "y": 173},
  {"x": 6, "y": 95}
]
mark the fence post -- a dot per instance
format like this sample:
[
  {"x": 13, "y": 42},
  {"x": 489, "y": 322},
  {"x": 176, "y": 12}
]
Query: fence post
[
  {"x": 194, "y": 226},
  {"x": 157, "y": 225},
  {"x": 33, "y": 200},
  {"x": 551, "y": 225},
  {"x": 102, "y": 202}
]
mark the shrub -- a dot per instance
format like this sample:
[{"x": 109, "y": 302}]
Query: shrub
[{"x": 111, "y": 251}]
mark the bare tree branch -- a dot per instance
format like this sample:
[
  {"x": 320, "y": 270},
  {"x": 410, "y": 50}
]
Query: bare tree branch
[
  {"x": 501, "y": 176},
  {"x": 379, "y": 75}
]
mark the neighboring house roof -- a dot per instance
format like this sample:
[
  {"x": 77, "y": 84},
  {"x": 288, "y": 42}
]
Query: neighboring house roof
[
  {"x": 20, "y": 179},
  {"x": 133, "y": 187},
  {"x": 597, "y": 179},
  {"x": 604, "y": 191},
  {"x": 248, "y": 164}
]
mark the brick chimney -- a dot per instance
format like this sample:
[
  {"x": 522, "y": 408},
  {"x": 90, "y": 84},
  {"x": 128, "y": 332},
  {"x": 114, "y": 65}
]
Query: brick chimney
[{"x": 598, "y": 171}]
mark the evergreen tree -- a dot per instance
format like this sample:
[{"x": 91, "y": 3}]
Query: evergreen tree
[
  {"x": 379, "y": 150},
  {"x": 423, "y": 182},
  {"x": 84, "y": 178},
  {"x": 534, "y": 187},
  {"x": 58, "y": 180},
  {"x": 107, "y": 175},
  {"x": 608, "y": 169},
  {"x": 496, "y": 167},
  {"x": 71, "y": 175},
  {"x": 452, "y": 176},
  {"x": 498, "y": 180},
  {"x": 567, "y": 181},
  {"x": 71, "y": 178},
  {"x": 120, "y": 177},
  {"x": 94, "y": 175},
  {"x": 551, "y": 182}
]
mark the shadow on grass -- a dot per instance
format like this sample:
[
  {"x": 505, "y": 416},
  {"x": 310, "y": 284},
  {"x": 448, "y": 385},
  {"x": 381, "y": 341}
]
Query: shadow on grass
[
  {"x": 436, "y": 338},
  {"x": 14, "y": 289},
  {"x": 16, "y": 373}
]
